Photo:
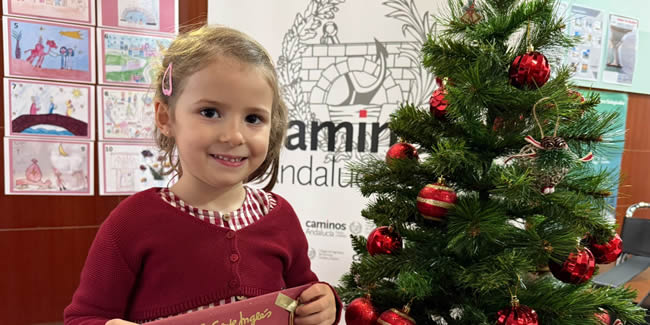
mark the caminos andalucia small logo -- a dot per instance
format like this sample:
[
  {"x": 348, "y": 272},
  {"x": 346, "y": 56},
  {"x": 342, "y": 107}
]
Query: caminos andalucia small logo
[{"x": 326, "y": 228}]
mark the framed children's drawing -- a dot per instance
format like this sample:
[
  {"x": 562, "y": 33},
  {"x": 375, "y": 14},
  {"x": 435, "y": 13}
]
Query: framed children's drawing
[
  {"x": 76, "y": 12},
  {"x": 125, "y": 114},
  {"x": 144, "y": 15},
  {"x": 49, "y": 109},
  {"x": 47, "y": 50},
  {"x": 127, "y": 58},
  {"x": 48, "y": 167},
  {"x": 126, "y": 168}
]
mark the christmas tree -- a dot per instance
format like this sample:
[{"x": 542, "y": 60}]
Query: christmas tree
[{"x": 488, "y": 209}]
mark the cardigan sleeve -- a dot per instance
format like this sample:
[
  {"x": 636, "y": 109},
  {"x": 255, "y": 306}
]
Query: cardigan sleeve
[
  {"x": 300, "y": 272},
  {"x": 105, "y": 285}
]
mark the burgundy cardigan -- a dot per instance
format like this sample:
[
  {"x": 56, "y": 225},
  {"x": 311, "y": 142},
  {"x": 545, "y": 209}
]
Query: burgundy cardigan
[{"x": 151, "y": 260}]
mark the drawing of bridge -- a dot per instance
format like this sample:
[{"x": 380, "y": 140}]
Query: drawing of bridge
[{"x": 76, "y": 127}]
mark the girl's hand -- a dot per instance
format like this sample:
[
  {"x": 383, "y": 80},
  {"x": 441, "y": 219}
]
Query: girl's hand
[
  {"x": 318, "y": 306},
  {"x": 119, "y": 322}
]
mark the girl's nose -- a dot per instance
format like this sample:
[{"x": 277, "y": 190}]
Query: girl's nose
[{"x": 231, "y": 133}]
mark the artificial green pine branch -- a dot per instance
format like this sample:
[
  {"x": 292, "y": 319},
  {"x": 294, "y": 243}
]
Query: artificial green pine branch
[
  {"x": 410, "y": 123},
  {"x": 544, "y": 240},
  {"x": 449, "y": 155},
  {"x": 386, "y": 211},
  {"x": 494, "y": 273},
  {"x": 475, "y": 226},
  {"x": 596, "y": 183},
  {"x": 571, "y": 304},
  {"x": 496, "y": 24},
  {"x": 592, "y": 130},
  {"x": 501, "y": 7}
]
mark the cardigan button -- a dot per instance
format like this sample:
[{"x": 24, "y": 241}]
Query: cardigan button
[
  {"x": 226, "y": 217},
  {"x": 240, "y": 298},
  {"x": 234, "y": 258},
  {"x": 233, "y": 283},
  {"x": 230, "y": 234}
]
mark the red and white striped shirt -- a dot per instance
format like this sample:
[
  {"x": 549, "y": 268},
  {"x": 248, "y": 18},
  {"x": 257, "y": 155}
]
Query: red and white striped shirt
[{"x": 257, "y": 204}]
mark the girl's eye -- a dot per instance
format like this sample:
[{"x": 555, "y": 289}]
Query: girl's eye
[
  {"x": 210, "y": 113},
  {"x": 254, "y": 119}
]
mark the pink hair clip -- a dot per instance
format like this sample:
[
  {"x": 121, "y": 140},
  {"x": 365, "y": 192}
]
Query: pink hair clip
[{"x": 168, "y": 91}]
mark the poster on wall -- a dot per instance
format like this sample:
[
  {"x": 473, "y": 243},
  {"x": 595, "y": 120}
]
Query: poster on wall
[
  {"x": 622, "y": 45},
  {"x": 49, "y": 109},
  {"x": 127, "y": 58},
  {"x": 125, "y": 114},
  {"x": 76, "y": 12},
  {"x": 43, "y": 50},
  {"x": 341, "y": 82},
  {"x": 144, "y": 15},
  {"x": 127, "y": 168},
  {"x": 585, "y": 58},
  {"x": 48, "y": 167}
]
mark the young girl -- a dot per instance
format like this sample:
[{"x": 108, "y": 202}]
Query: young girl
[{"x": 209, "y": 239}]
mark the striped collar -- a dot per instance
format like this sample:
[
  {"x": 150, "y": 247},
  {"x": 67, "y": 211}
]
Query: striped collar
[{"x": 257, "y": 203}]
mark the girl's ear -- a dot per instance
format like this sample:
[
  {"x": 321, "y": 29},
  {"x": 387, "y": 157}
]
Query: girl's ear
[{"x": 163, "y": 117}]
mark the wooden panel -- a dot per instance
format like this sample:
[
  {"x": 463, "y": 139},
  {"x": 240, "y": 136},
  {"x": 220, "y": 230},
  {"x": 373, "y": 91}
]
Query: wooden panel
[
  {"x": 44, "y": 240},
  {"x": 41, "y": 272},
  {"x": 635, "y": 166},
  {"x": 192, "y": 14}
]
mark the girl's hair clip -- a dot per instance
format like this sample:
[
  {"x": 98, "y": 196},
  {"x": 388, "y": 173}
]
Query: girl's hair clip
[{"x": 167, "y": 91}]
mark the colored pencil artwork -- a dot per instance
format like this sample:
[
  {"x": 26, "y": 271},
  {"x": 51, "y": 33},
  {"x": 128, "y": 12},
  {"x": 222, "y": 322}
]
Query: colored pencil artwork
[
  {"x": 46, "y": 167},
  {"x": 48, "y": 109},
  {"x": 126, "y": 168},
  {"x": 73, "y": 11},
  {"x": 129, "y": 58},
  {"x": 125, "y": 114},
  {"x": 36, "y": 49},
  {"x": 139, "y": 15}
]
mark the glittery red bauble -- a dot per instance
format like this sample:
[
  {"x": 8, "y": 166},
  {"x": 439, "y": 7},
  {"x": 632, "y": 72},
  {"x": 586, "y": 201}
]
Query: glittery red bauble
[
  {"x": 361, "y": 312},
  {"x": 606, "y": 319},
  {"x": 401, "y": 150},
  {"x": 395, "y": 317},
  {"x": 577, "y": 268},
  {"x": 529, "y": 71},
  {"x": 434, "y": 200},
  {"x": 608, "y": 252},
  {"x": 517, "y": 315},
  {"x": 384, "y": 240},
  {"x": 437, "y": 102}
]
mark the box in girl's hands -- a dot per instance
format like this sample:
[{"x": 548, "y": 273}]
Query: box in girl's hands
[{"x": 274, "y": 308}]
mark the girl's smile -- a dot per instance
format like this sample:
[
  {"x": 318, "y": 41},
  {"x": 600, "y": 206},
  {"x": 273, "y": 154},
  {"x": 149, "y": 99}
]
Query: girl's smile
[{"x": 228, "y": 160}]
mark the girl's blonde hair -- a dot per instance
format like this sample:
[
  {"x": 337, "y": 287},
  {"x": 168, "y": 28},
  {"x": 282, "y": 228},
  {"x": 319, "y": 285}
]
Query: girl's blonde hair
[{"x": 190, "y": 52}]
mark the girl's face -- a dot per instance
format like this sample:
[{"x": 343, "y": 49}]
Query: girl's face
[{"x": 221, "y": 123}]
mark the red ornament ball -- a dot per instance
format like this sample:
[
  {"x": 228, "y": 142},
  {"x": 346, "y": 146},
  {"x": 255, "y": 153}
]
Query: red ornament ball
[
  {"x": 517, "y": 315},
  {"x": 438, "y": 103},
  {"x": 606, "y": 319},
  {"x": 577, "y": 268},
  {"x": 434, "y": 200},
  {"x": 395, "y": 317},
  {"x": 383, "y": 240},
  {"x": 401, "y": 150},
  {"x": 608, "y": 252},
  {"x": 361, "y": 312},
  {"x": 529, "y": 71}
]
